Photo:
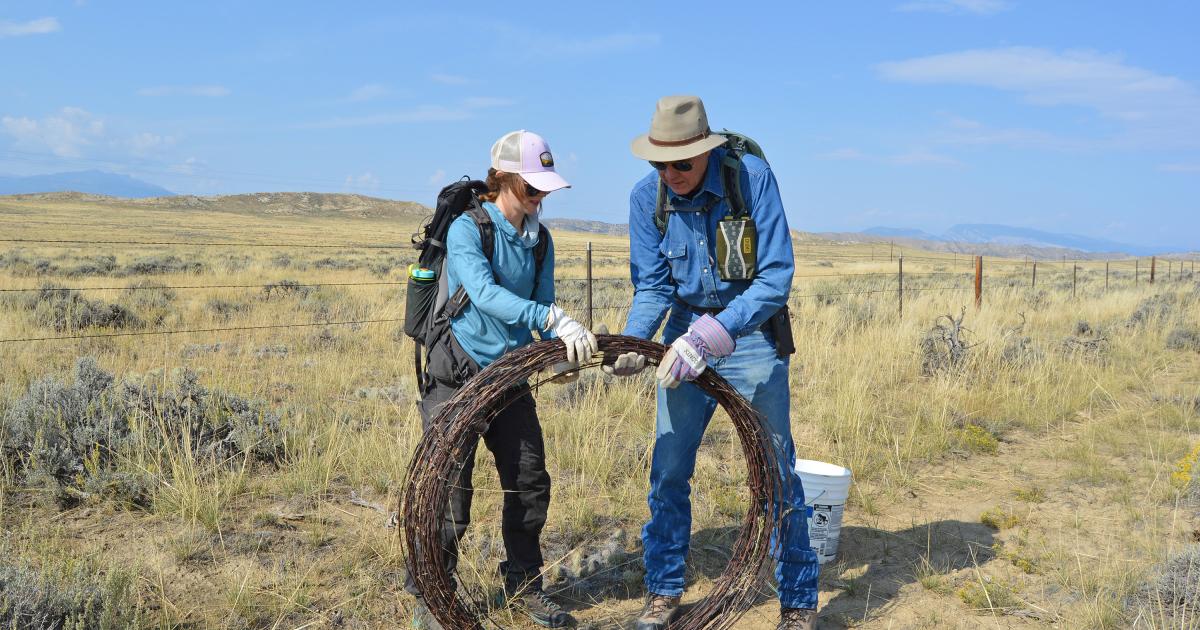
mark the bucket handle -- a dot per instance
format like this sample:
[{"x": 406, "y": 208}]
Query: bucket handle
[{"x": 812, "y": 501}]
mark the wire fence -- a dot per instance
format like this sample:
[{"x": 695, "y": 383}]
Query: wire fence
[{"x": 1014, "y": 273}]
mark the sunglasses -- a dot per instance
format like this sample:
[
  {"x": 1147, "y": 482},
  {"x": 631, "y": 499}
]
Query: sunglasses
[
  {"x": 682, "y": 167},
  {"x": 530, "y": 191}
]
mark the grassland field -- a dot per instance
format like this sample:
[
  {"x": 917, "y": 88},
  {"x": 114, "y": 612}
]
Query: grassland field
[{"x": 1038, "y": 475}]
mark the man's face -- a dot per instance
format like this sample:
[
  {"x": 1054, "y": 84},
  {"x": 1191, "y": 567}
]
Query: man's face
[{"x": 685, "y": 182}]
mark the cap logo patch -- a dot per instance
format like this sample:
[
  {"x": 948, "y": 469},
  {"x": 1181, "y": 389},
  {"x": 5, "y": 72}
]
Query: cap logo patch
[{"x": 547, "y": 159}]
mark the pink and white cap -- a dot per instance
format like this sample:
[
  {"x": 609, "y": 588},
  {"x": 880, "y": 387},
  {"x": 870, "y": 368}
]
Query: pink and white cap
[{"x": 527, "y": 154}]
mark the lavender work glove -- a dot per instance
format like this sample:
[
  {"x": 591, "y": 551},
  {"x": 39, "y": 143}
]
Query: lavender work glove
[{"x": 688, "y": 356}]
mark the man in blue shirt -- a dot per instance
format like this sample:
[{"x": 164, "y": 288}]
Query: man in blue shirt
[{"x": 719, "y": 313}]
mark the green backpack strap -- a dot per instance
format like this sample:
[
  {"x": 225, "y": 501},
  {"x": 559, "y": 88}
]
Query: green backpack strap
[{"x": 731, "y": 180}]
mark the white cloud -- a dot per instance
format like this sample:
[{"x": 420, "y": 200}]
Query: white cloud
[
  {"x": 448, "y": 79},
  {"x": 145, "y": 143},
  {"x": 1180, "y": 168},
  {"x": 40, "y": 26},
  {"x": 188, "y": 166},
  {"x": 64, "y": 134},
  {"x": 977, "y": 7},
  {"x": 368, "y": 92},
  {"x": 210, "y": 91},
  {"x": 438, "y": 178},
  {"x": 366, "y": 181},
  {"x": 1153, "y": 109},
  {"x": 1043, "y": 77}
]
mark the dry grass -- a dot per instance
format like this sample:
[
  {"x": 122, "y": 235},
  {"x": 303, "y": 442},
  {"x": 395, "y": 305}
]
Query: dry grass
[{"x": 1073, "y": 446}]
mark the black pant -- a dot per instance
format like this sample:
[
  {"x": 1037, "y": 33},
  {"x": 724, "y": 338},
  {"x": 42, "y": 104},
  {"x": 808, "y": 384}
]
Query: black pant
[{"x": 515, "y": 440}]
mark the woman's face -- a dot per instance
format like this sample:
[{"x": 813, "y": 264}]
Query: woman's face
[{"x": 531, "y": 203}]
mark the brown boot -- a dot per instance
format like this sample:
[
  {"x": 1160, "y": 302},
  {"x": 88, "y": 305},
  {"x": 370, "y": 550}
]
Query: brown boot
[
  {"x": 657, "y": 612},
  {"x": 797, "y": 619}
]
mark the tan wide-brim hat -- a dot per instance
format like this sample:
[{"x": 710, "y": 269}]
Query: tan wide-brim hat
[{"x": 678, "y": 131}]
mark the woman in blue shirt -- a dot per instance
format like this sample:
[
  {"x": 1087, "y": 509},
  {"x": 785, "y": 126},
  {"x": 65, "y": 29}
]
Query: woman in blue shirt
[{"x": 509, "y": 297}]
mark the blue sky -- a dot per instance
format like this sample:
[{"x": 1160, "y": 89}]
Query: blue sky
[{"x": 1081, "y": 117}]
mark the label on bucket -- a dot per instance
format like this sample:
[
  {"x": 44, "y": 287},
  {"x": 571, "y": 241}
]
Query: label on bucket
[{"x": 824, "y": 529}]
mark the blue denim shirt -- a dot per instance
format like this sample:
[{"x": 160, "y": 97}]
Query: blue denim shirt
[
  {"x": 681, "y": 265},
  {"x": 500, "y": 316}
]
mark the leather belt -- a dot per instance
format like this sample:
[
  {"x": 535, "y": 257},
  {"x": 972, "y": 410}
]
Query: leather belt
[{"x": 699, "y": 310}]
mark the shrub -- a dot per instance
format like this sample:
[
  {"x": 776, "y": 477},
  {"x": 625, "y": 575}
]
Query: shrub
[
  {"x": 1184, "y": 338},
  {"x": 68, "y": 438},
  {"x": 1172, "y": 591},
  {"x": 64, "y": 595},
  {"x": 65, "y": 310},
  {"x": 284, "y": 288},
  {"x": 157, "y": 265},
  {"x": 225, "y": 309}
]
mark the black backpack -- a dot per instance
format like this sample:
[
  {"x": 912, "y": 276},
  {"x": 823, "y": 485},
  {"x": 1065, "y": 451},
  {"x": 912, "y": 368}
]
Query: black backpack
[{"x": 428, "y": 308}]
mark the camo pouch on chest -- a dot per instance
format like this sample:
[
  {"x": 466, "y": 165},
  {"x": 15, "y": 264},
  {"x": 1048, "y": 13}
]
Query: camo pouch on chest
[{"x": 737, "y": 249}]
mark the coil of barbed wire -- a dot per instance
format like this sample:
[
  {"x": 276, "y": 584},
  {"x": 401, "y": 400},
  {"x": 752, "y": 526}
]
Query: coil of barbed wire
[{"x": 464, "y": 418}]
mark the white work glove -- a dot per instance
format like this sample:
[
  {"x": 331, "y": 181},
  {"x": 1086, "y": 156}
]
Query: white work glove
[
  {"x": 580, "y": 342},
  {"x": 627, "y": 364}
]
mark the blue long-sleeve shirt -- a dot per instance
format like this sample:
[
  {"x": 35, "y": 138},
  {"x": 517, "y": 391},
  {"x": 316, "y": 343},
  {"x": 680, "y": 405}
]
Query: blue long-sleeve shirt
[
  {"x": 681, "y": 265},
  {"x": 502, "y": 311}
]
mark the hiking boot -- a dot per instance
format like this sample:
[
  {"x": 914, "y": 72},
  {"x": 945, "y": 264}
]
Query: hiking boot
[
  {"x": 657, "y": 612},
  {"x": 422, "y": 619},
  {"x": 544, "y": 611},
  {"x": 797, "y": 619}
]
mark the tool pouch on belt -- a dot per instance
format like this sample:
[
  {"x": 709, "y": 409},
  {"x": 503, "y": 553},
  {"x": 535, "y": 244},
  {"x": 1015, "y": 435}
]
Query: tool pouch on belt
[
  {"x": 780, "y": 326},
  {"x": 737, "y": 244}
]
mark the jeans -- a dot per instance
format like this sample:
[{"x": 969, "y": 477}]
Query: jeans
[
  {"x": 761, "y": 377},
  {"x": 515, "y": 440}
]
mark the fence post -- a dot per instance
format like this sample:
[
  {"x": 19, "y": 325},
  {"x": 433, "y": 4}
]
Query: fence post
[
  {"x": 1106, "y": 276},
  {"x": 1033, "y": 284},
  {"x": 1153, "y": 263},
  {"x": 900, "y": 293},
  {"x": 1137, "y": 270},
  {"x": 892, "y": 250},
  {"x": 978, "y": 281},
  {"x": 589, "y": 285},
  {"x": 1074, "y": 277}
]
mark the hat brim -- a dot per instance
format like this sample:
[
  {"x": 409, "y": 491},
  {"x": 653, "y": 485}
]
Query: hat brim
[
  {"x": 546, "y": 181},
  {"x": 643, "y": 148}
]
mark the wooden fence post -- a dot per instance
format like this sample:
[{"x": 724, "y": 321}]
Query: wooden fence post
[
  {"x": 1033, "y": 283},
  {"x": 900, "y": 293},
  {"x": 978, "y": 281},
  {"x": 1106, "y": 276},
  {"x": 1153, "y": 263},
  {"x": 1137, "y": 270},
  {"x": 1074, "y": 278},
  {"x": 589, "y": 285}
]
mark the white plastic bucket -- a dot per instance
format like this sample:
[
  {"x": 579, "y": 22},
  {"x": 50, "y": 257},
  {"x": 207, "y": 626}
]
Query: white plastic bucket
[{"x": 826, "y": 487}]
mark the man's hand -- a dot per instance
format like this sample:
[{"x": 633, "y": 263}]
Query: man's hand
[
  {"x": 627, "y": 364},
  {"x": 688, "y": 356}
]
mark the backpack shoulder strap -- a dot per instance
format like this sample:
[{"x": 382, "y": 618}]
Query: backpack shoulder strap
[
  {"x": 731, "y": 180},
  {"x": 539, "y": 256},
  {"x": 487, "y": 229},
  {"x": 487, "y": 241},
  {"x": 660, "y": 209}
]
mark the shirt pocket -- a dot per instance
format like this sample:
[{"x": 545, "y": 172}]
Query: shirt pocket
[{"x": 676, "y": 254}]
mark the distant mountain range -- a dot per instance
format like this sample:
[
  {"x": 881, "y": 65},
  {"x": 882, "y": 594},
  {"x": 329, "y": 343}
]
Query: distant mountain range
[
  {"x": 1007, "y": 235},
  {"x": 93, "y": 182},
  {"x": 292, "y": 204}
]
